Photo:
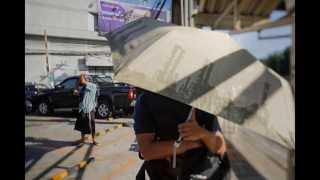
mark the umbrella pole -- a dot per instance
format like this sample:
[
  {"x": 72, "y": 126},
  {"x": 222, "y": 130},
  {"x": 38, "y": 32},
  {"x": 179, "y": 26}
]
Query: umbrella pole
[{"x": 177, "y": 143}]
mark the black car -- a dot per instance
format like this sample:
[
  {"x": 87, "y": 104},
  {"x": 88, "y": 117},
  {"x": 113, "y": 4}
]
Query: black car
[
  {"x": 31, "y": 90},
  {"x": 114, "y": 98}
]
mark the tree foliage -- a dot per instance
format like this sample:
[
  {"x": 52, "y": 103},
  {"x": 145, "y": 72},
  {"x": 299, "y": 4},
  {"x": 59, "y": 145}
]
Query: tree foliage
[{"x": 279, "y": 62}]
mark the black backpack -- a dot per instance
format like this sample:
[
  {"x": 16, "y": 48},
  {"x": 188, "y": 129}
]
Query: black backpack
[
  {"x": 193, "y": 164},
  {"x": 197, "y": 164}
]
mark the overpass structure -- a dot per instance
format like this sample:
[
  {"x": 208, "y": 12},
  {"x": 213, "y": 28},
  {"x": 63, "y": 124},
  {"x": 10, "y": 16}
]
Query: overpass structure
[{"x": 238, "y": 16}]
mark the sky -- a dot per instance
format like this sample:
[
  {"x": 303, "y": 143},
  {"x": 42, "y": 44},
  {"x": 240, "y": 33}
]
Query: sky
[{"x": 262, "y": 48}]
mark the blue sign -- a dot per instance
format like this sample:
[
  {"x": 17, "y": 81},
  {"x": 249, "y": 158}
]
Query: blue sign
[{"x": 113, "y": 14}]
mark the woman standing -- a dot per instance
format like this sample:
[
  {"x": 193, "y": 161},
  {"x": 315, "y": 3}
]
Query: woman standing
[{"x": 85, "y": 122}]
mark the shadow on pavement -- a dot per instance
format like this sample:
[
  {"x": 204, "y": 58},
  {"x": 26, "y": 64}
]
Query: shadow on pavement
[
  {"x": 240, "y": 166},
  {"x": 86, "y": 156},
  {"x": 40, "y": 147}
]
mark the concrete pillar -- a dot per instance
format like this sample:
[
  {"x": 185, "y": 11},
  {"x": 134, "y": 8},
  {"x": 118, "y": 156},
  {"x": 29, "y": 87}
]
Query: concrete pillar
[
  {"x": 291, "y": 171},
  {"x": 292, "y": 83},
  {"x": 186, "y": 12},
  {"x": 191, "y": 9},
  {"x": 292, "y": 58},
  {"x": 182, "y": 13}
]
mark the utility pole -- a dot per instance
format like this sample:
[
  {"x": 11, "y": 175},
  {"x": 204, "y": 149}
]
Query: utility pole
[
  {"x": 49, "y": 75},
  {"x": 46, "y": 51}
]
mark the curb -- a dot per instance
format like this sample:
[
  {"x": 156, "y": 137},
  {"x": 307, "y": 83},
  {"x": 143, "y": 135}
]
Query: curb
[{"x": 64, "y": 173}]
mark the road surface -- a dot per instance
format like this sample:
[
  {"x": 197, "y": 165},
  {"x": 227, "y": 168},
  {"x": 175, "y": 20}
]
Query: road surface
[{"x": 50, "y": 149}]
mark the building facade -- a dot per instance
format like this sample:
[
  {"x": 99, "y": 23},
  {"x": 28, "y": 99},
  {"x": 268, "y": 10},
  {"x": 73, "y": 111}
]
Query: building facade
[{"x": 64, "y": 35}]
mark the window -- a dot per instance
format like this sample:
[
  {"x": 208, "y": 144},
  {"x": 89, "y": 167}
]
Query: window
[
  {"x": 93, "y": 22},
  {"x": 100, "y": 70},
  {"x": 70, "y": 83},
  {"x": 102, "y": 79}
]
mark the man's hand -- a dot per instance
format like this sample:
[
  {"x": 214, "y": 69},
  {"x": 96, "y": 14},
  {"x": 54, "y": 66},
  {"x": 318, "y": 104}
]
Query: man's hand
[
  {"x": 82, "y": 79},
  {"x": 188, "y": 145},
  {"x": 191, "y": 130}
]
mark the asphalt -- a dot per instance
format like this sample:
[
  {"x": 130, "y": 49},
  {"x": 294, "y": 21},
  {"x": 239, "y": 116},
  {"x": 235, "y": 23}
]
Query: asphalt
[{"x": 50, "y": 149}]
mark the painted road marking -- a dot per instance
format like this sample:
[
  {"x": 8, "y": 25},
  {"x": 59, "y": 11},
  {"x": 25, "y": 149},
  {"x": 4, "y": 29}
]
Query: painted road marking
[
  {"x": 61, "y": 175},
  {"x": 64, "y": 173}
]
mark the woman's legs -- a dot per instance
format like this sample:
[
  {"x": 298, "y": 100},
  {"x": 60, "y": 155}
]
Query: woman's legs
[
  {"x": 83, "y": 137},
  {"x": 93, "y": 127}
]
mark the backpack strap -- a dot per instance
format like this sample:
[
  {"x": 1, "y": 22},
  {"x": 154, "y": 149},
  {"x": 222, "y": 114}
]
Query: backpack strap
[
  {"x": 140, "y": 156},
  {"x": 141, "y": 173}
]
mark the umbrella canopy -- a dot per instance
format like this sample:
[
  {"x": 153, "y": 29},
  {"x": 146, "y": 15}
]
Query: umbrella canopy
[{"x": 207, "y": 70}]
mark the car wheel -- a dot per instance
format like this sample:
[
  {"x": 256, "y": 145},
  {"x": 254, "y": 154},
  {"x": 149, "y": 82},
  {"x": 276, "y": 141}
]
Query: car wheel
[
  {"x": 43, "y": 108},
  {"x": 103, "y": 110},
  {"x": 28, "y": 107}
]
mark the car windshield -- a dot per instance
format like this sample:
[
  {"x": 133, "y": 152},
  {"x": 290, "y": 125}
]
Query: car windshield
[
  {"x": 36, "y": 86},
  {"x": 41, "y": 86},
  {"x": 102, "y": 79},
  {"x": 120, "y": 84}
]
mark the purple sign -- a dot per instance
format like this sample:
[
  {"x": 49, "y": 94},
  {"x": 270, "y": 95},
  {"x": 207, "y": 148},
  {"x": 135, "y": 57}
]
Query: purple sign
[{"x": 113, "y": 14}]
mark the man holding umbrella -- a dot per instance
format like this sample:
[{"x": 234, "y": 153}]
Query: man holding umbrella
[
  {"x": 209, "y": 71},
  {"x": 158, "y": 123}
]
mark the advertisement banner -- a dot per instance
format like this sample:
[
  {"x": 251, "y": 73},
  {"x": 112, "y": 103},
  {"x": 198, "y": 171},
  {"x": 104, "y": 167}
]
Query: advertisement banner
[{"x": 113, "y": 14}]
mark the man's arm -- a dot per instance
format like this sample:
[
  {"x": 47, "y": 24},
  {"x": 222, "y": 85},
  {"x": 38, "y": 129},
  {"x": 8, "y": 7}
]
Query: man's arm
[{"x": 151, "y": 149}]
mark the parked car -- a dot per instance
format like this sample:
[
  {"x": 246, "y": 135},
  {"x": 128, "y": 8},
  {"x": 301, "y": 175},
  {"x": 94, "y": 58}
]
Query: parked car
[
  {"x": 113, "y": 99},
  {"x": 31, "y": 90}
]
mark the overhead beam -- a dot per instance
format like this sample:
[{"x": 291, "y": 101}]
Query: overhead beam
[
  {"x": 236, "y": 17},
  {"x": 252, "y": 6},
  {"x": 222, "y": 5},
  {"x": 211, "y": 5},
  {"x": 287, "y": 20},
  {"x": 261, "y": 6},
  {"x": 269, "y": 7},
  {"x": 206, "y": 19},
  {"x": 243, "y": 6},
  {"x": 202, "y": 5},
  {"x": 224, "y": 13}
]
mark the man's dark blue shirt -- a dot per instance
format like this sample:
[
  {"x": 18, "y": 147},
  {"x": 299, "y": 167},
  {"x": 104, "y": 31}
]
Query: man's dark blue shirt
[{"x": 161, "y": 115}]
